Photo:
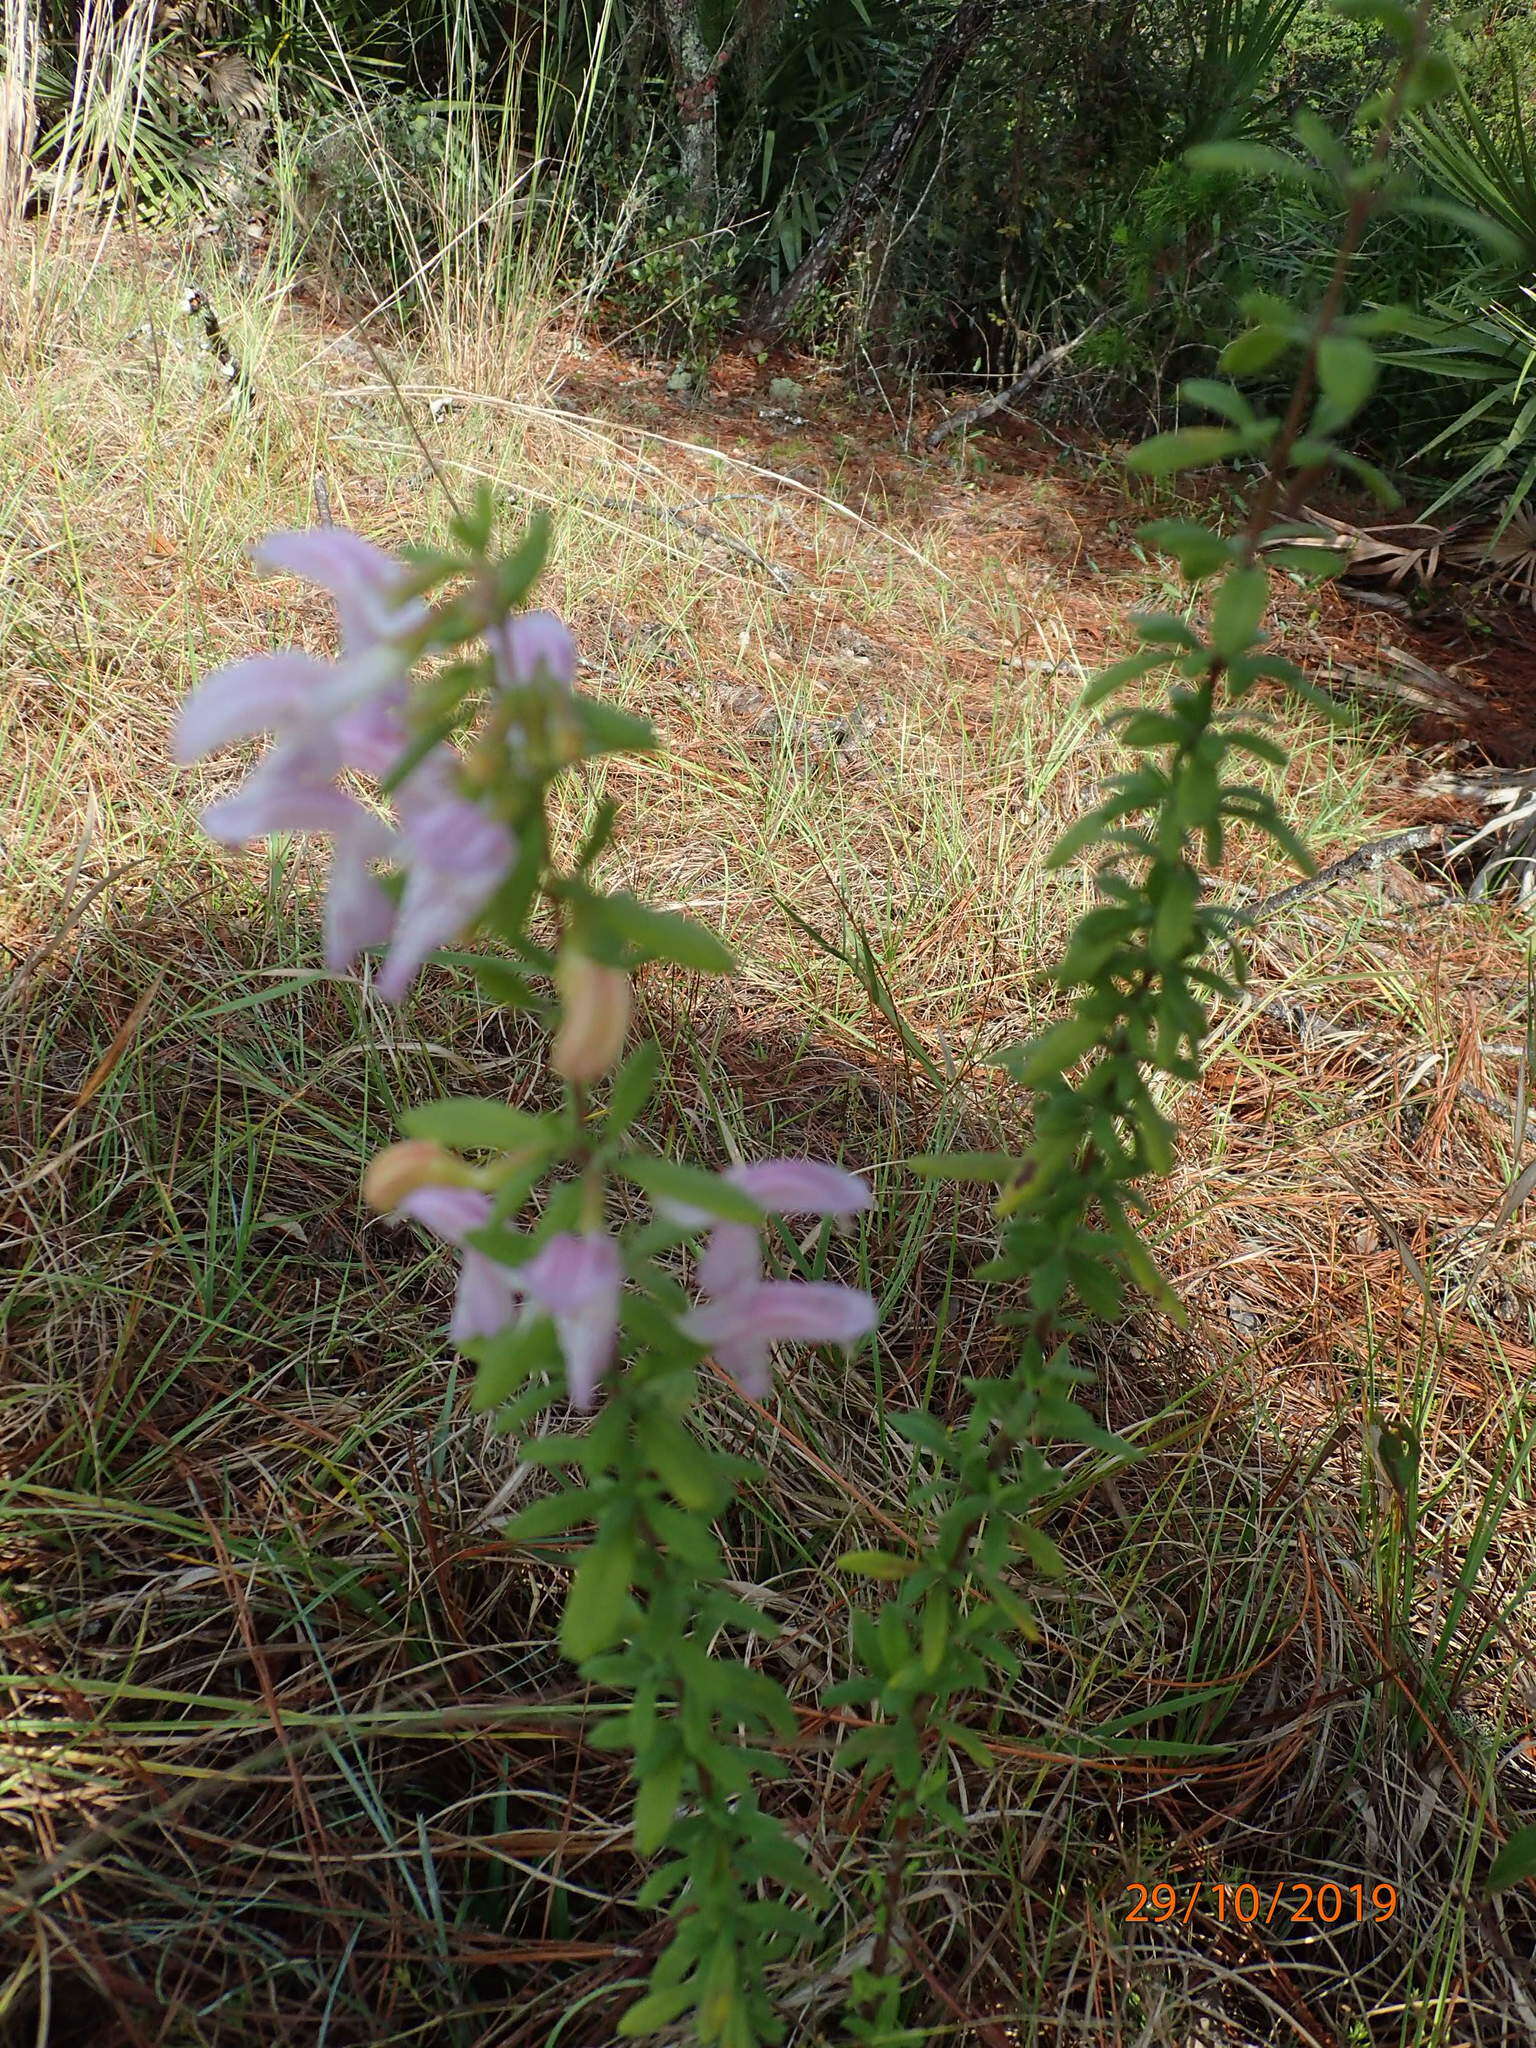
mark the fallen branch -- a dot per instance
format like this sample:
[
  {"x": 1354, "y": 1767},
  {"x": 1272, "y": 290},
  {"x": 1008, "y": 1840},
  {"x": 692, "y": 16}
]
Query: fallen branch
[
  {"x": 1365, "y": 860},
  {"x": 1001, "y": 400}
]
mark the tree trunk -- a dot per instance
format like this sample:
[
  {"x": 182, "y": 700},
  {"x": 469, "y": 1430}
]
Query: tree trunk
[
  {"x": 971, "y": 21},
  {"x": 18, "y": 107},
  {"x": 696, "y": 76}
]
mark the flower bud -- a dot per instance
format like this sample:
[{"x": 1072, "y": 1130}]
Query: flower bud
[
  {"x": 595, "y": 1001},
  {"x": 399, "y": 1170}
]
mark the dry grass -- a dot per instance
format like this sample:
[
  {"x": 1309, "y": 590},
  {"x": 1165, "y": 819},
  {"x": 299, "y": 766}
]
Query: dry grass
[{"x": 290, "y": 1757}]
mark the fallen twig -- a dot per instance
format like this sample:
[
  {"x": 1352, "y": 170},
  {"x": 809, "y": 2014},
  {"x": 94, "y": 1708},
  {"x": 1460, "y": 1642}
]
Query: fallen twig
[
  {"x": 1365, "y": 860},
  {"x": 1001, "y": 400}
]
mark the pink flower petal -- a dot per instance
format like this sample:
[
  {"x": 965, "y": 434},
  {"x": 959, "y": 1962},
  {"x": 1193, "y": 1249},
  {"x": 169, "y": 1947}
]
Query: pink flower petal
[
  {"x": 285, "y": 793},
  {"x": 801, "y": 1187},
  {"x": 530, "y": 643},
  {"x": 449, "y": 1213},
  {"x": 362, "y": 578},
  {"x": 358, "y": 912},
  {"x": 731, "y": 1259},
  {"x": 740, "y": 1326},
  {"x": 486, "y": 1300},
  {"x": 456, "y": 857},
  {"x": 576, "y": 1280},
  {"x": 748, "y": 1362},
  {"x": 263, "y": 694},
  {"x": 373, "y": 736}
]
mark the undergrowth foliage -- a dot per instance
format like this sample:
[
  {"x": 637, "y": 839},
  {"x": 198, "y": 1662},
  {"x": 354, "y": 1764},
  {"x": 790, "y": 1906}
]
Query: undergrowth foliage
[{"x": 558, "y": 1304}]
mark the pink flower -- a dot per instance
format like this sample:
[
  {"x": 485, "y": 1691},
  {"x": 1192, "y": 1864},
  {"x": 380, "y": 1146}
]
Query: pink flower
[
  {"x": 486, "y": 1300},
  {"x": 455, "y": 858},
  {"x": 327, "y": 717},
  {"x": 574, "y": 1278},
  {"x": 531, "y": 642},
  {"x": 363, "y": 579},
  {"x": 742, "y": 1326},
  {"x": 576, "y": 1281},
  {"x": 745, "y": 1314}
]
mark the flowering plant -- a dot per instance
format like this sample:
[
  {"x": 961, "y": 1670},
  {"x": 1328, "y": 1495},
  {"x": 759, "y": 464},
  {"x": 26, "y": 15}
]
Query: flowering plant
[
  {"x": 434, "y": 796},
  {"x": 558, "y": 1303}
]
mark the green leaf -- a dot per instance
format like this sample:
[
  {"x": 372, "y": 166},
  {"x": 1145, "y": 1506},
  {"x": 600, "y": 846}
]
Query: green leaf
[
  {"x": 1313, "y": 565},
  {"x": 1320, "y": 142},
  {"x": 473, "y": 529},
  {"x": 1054, "y": 1050},
  {"x": 1346, "y": 373},
  {"x": 632, "y": 1086},
  {"x": 1254, "y": 350},
  {"x": 597, "y": 1605},
  {"x": 507, "y": 984},
  {"x": 551, "y": 1516},
  {"x": 606, "y": 730},
  {"x": 598, "y": 834},
  {"x": 1376, "y": 481},
  {"x": 658, "y": 2010},
  {"x": 1214, "y": 396},
  {"x": 470, "y": 1123},
  {"x": 1247, "y": 159},
  {"x": 656, "y": 1802},
  {"x": 509, "y": 1360},
  {"x": 1198, "y": 551},
  {"x": 635, "y": 930},
  {"x": 876, "y": 1564},
  {"x": 516, "y": 575},
  {"x": 1237, "y": 610},
  {"x": 1129, "y": 670},
  {"x": 989, "y": 1167},
  {"x": 1166, "y": 629},
  {"x": 1391, "y": 15},
  {"x": 691, "y": 1474},
  {"x": 690, "y": 1185},
  {"x": 1515, "y": 1862},
  {"x": 1188, "y": 448}
]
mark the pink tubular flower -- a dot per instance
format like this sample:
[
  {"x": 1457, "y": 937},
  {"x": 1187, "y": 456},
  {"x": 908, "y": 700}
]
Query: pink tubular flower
[
  {"x": 744, "y": 1315},
  {"x": 455, "y": 858},
  {"x": 576, "y": 1280},
  {"x": 329, "y": 717},
  {"x": 362, "y": 578},
  {"x": 487, "y": 1298}
]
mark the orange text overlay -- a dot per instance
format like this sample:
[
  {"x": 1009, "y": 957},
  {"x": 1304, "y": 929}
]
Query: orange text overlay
[{"x": 1290, "y": 1903}]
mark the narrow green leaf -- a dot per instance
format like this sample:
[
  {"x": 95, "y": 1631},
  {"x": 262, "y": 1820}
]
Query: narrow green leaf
[
  {"x": 470, "y": 1123},
  {"x": 1346, "y": 374},
  {"x": 656, "y": 1802},
  {"x": 876, "y": 1564},
  {"x": 1237, "y": 610}
]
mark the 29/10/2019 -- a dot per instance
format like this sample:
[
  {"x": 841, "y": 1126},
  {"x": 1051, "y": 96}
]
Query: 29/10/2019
[{"x": 1291, "y": 1902}]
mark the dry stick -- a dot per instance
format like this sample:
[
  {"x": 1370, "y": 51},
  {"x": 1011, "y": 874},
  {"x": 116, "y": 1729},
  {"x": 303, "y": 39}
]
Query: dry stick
[
  {"x": 1365, "y": 860},
  {"x": 1001, "y": 400}
]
